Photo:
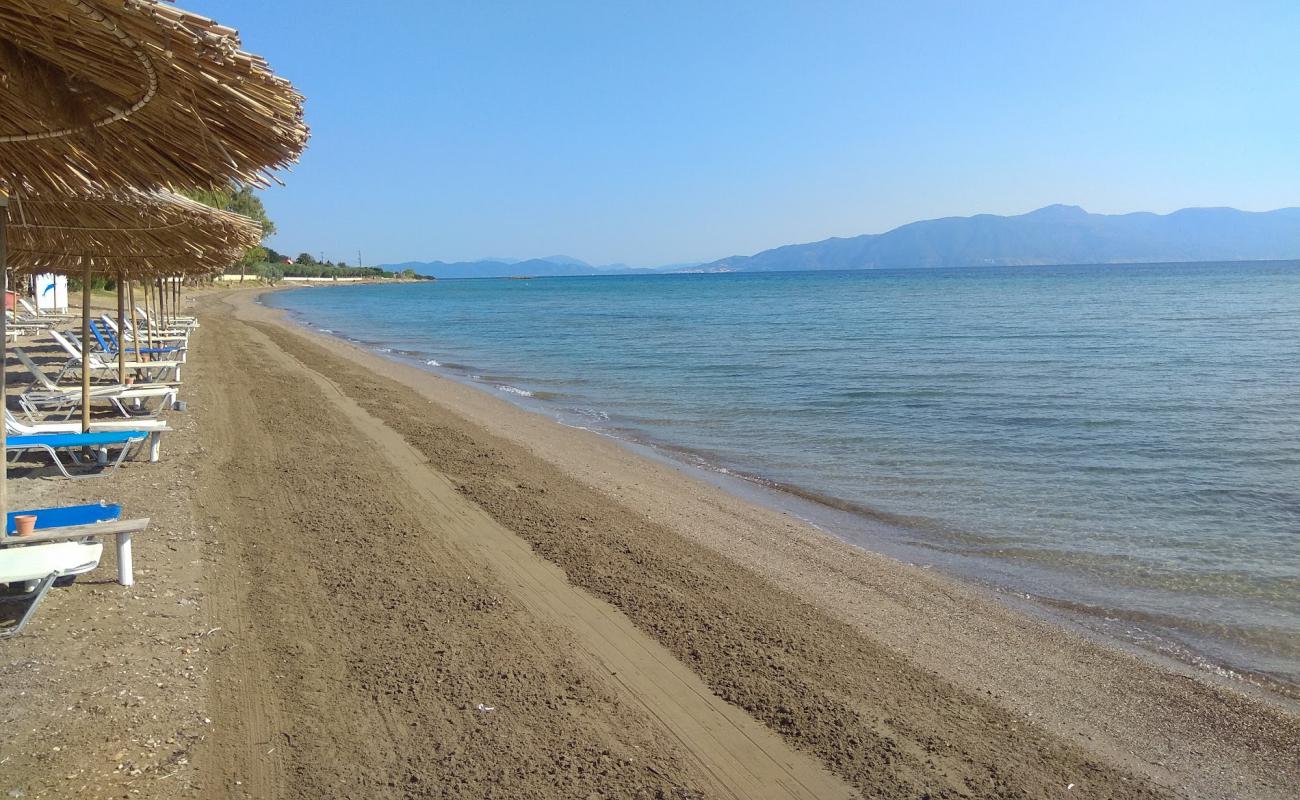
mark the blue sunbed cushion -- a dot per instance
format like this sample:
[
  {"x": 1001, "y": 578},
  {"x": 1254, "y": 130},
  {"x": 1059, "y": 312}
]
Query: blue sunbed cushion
[
  {"x": 76, "y": 439},
  {"x": 67, "y": 515},
  {"x": 152, "y": 350},
  {"x": 99, "y": 336},
  {"x": 111, "y": 345}
]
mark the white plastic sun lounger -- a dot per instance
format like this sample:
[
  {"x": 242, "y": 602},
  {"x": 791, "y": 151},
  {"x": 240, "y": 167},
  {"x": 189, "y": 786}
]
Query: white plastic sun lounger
[
  {"x": 75, "y": 447},
  {"x": 80, "y": 523},
  {"x": 56, "y": 553},
  {"x": 168, "y": 338},
  {"x": 35, "y": 567},
  {"x": 109, "y": 345},
  {"x": 46, "y": 396},
  {"x": 48, "y": 316},
  {"x": 16, "y": 326},
  {"x": 153, "y": 428},
  {"x": 181, "y": 322},
  {"x": 107, "y": 368}
]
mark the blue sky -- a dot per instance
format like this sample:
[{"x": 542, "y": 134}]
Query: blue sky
[{"x": 652, "y": 133}]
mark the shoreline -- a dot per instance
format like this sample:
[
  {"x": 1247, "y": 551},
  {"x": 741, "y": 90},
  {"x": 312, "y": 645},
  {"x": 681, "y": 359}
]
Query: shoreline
[
  {"x": 364, "y": 579},
  {"x": 949, "y": 626},
  {"x": 1020, "y": 586}
]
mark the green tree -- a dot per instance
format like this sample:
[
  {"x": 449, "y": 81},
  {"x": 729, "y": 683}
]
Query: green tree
[
  {"x": 305, "y": 259},
  {"x": 241, "y": 200}
]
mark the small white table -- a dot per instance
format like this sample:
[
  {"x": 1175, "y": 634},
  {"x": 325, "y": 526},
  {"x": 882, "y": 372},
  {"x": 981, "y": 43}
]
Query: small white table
[{"x": 120, "y": 529}]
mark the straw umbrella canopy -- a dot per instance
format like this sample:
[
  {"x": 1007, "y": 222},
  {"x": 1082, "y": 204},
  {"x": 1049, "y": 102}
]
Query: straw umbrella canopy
[
  {"x": 116, "y": 93},
  {"x": 134, "y": 235},
  {"x": 106, "y": 95},
  {"x": 148, "y": 234}
]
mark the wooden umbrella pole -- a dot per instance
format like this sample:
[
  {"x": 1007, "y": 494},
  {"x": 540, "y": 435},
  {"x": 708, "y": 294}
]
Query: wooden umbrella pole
[
  {"x": 142, "y": 333},
  {"x": 148, "y": 313},
  {"x": 4, "y": 361},
  {"x": 85, "y": 348},
  {"x": 135, "y": 323},
  {"x": 121, "y": 329}
]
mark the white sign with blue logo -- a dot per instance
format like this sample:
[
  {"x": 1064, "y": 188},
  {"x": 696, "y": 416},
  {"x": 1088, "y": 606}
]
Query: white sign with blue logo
[{"x": 51, "y": 292}]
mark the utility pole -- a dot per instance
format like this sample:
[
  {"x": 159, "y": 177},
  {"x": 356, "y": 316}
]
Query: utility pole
[{"x": 358, "y": 258}]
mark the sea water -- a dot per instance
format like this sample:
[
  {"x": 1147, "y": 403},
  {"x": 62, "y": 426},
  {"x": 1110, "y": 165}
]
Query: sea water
[{"x": 1119, "y": 442}]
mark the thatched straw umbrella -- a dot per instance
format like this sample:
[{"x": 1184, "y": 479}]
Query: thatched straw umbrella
[
  {"x": 131, "y": 236},
  {"x": 105, "y": 95},
  {"x": 117, "y": 93}
]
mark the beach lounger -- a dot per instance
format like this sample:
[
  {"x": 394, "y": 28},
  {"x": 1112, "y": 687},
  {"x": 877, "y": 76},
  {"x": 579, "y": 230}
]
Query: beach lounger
[
  {"x": 46, "y": 396},
  {"x": 182, "y": 322},
  {"x": 80, "y": 523},
  {"x": 14, "y": 318},
  {"x": 152, "y": 428},
  {"x": 16, "y": 326},
  {"x": 109, "y": 344},
  {"x": 168, "y": 338},
  {"x": 72, "y": 443},
  {"x": 63, "y": 546},
  {"x": 49, "y": 317},
  {"x": 33, "y": 569},
  {"x": 157, "y": 371}
]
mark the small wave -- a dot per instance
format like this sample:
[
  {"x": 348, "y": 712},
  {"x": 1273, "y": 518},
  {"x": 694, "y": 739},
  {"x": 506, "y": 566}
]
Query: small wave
[
  {"x": 385, "y": 349},
  {"x": 433, "y": 362},
  {"x": 515, "y": 390}
]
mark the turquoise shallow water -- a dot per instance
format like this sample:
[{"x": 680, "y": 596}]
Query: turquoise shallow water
[{"x": 1122, "y": 442}]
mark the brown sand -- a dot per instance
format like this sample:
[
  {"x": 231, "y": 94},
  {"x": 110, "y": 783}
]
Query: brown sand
[
  {"x": 376, "y": 609},
  {"x": 379, "y": 550}
]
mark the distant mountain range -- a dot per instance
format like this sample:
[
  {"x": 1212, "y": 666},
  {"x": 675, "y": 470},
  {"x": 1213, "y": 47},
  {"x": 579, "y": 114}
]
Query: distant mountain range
[
  {"x": 1056, "y": 234},
  {"x": 1051, "y": 235}
]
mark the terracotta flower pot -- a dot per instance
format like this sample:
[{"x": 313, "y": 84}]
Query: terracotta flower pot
[{"x": 25, "y": 523}]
